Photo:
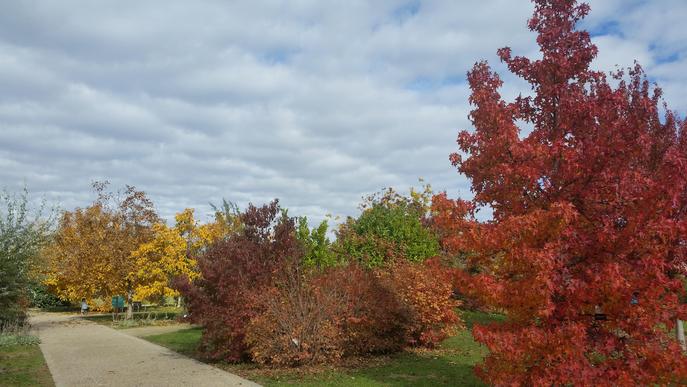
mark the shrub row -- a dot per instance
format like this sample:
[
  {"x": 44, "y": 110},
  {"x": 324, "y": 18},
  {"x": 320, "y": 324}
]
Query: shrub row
[
  {"x": 350, "y": 310},
  {"x": 258, "y": 300}
]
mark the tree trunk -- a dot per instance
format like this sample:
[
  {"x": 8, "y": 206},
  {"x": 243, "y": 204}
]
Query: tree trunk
[
  {"x": 680, "y": 333},
  {"x": 179, "y": 302},
  {"x": 129, "y": 306}
]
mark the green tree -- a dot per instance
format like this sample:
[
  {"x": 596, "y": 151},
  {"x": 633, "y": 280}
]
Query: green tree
[
  {"x": 316, "y": 245},
  {"x": 390, "y": 226}
]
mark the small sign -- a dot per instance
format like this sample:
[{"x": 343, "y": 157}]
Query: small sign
[{"x": 117, "y": 302}]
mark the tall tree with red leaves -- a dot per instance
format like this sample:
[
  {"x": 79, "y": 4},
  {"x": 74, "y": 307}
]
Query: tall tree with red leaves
[{"x": 586, "y": 249}]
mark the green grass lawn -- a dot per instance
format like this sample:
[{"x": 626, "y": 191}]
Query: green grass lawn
[
  {"x": 449, "y": 365},
  {"x": 184, "y": 341},
  {"x": 23, "y": 365}
]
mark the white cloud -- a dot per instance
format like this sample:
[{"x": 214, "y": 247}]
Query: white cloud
[
  {"x": 314, "y": 102},
  {"x": 616, "y": 52}
]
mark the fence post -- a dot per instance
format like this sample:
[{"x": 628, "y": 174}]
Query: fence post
[{"x": 680, "y": 333}]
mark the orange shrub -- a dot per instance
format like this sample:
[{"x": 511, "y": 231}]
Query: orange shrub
[{"x": 426, "y": 291}]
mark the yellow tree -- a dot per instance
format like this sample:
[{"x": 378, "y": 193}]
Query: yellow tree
[
  {"x": 170, "y": 254},
  {"x": 91, "y": 253},
  {"x": 80, "y": 255},
  {"x": 173, "y": 250}
]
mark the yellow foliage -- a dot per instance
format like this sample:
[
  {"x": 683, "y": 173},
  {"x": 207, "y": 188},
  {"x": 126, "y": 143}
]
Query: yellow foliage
[
  {"x": 167, "y": 256},
  {"x": 89, "y": 255},
  {"x": 225, "y": 224},
  {"x": 102, "y": 251},
  {"x": 172, "y": 253}
]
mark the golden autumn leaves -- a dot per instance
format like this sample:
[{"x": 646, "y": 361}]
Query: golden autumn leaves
[
  {"x": 121, "y": 247},
  {"x": 171, "y": 253}
]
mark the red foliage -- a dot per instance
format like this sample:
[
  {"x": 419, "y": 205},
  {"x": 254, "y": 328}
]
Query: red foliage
[
  {"x": 589, "y": 215},
  {"x": 450, "y": 221},
  {"x": 235, "y": 272},
  {"x": 318, "y": 319}
]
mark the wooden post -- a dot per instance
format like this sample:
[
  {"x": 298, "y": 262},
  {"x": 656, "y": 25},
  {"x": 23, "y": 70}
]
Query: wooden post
[
  {"x": 680, "y": 333},
  {"x": 129, "y": 307}
]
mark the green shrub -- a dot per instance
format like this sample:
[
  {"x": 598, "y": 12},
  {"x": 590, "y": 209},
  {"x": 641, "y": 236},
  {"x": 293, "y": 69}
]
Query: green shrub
[
  {"x": 41, "y": 297},
  {"x": 390, "y": 226}
]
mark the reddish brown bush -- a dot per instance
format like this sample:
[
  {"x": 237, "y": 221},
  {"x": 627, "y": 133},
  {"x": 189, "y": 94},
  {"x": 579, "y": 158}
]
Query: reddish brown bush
[
  {"x": 322, "y": 317},
  {"x": 371, "y": 317},
  {"x": 298, "y": 324},
  {"x": 235, "y": 273},
  {"x": 389, "y": 308}
]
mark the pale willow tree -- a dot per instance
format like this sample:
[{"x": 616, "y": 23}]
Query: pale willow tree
[{"x": 21, "y": 236}]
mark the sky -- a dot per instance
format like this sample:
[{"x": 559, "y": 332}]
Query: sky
[{"x": 317, "y": 103}]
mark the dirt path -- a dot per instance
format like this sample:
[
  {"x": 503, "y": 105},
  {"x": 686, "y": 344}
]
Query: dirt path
[{"x": 83, "y": 353}]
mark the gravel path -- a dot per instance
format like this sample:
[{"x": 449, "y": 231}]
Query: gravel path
[{"x": 83, "y": 353}]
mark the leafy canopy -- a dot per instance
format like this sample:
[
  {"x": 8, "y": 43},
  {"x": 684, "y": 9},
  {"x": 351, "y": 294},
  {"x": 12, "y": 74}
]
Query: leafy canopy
[
  {"x": 169, "y": 254},
  {"x": 390, "y": 226},
  {"x": 589, "y": 216},
  {"x": 91, "y": 253},
  {"x": 173, "y": 251},
  {"x": 234, "y": 274}
]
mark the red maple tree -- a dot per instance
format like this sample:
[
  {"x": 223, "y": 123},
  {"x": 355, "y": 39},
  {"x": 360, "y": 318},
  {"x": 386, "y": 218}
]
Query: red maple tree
[{"x": 586, "y": 249}]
